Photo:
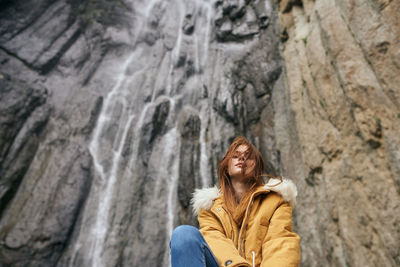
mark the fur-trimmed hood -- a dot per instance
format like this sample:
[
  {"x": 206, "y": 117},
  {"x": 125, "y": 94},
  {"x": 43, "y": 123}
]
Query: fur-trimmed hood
[{"x": 204, "y": 198}]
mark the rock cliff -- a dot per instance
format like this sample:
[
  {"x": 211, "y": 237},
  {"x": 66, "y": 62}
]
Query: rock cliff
[
  {"x": 112, "y": 112},
  {"x": 342, "y": 65}
]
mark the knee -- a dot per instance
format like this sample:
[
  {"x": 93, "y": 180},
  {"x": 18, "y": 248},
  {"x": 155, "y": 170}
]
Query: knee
[{"x": 185, "y": 236}]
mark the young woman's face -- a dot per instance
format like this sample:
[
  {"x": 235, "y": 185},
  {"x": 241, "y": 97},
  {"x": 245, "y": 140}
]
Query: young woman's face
[{"x": 239, "y": 161}]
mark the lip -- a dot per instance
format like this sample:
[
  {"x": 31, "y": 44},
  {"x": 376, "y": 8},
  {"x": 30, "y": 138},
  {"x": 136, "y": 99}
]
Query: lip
[{"x": 239, "y": 165}]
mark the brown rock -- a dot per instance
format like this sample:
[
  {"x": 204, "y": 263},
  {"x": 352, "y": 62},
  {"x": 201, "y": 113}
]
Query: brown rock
[{"x": 341, "y": 60}]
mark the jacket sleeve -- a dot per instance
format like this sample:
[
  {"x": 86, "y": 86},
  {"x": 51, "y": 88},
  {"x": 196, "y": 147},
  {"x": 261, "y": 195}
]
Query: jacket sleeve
[
  {"x": 222, "y": 247},
  {"x": 281, "y": 246}
]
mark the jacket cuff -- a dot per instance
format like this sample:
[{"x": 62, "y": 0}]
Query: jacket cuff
[{"x": 234, "y": 261}]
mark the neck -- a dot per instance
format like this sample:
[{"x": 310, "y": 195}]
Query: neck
[{"x": 240, "y": 187}]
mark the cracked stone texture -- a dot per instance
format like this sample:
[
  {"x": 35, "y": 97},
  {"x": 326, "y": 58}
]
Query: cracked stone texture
[
  {"x": 342, "y": 62},
  {"x": 135, "y": 98}
]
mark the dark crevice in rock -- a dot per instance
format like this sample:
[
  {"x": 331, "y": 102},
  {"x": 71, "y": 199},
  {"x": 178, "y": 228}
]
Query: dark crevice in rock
[
  {"x": 35, "y": 17},
  {"x": 153, "y": 129},
  {"x": 188, "y": 25},
  {"x": 221, "y": 108},
  {"x": 51, "y": 43},
  {"x": 229, "y": 37},
  {"x": 383, "y": 47},
  {"x": 94, "y": 115},
  {"x": 47, "y": 67},
  {"x": 54, "y": 16},
  {"x": 159, "y": 118},
  {"x": 380, "y": 5},
  {"x": 287, "y": 5},
  {"x": 190, "y": 69},
  {"x": 92, "y": 71},
  {"x": 284, "y": 36},
  {"x": 26, "y": 63},
  {"x": 312, "y": 180},
  {"x": 81, "y": 63}
]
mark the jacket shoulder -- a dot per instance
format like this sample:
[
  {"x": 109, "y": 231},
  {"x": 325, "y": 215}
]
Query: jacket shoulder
[
  {"x": 204, "y": 198},
  {"x": 285, "y": 188}
]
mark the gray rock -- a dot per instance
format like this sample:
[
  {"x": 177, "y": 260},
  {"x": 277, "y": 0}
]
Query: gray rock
[
  {"x": 146, "y": 99},
  {"x": 113, "y": 112},
  {"x": 237, "y": 20},
  {"x": 189, "y": 163},
  {"x": 37, "y": 234},
  {"x": 24, "y": 115}
]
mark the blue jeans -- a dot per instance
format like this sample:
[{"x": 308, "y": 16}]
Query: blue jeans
[{"x": 189, "y": 249}]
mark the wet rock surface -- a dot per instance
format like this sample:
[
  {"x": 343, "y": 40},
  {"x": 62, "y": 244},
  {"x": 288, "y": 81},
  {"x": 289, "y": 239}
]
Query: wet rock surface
[{"x": 114, "y": 111}]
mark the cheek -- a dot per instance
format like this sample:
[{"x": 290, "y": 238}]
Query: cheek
[
  {"x": 230, "y": 166},
  {"x": 232, "y": 163}
]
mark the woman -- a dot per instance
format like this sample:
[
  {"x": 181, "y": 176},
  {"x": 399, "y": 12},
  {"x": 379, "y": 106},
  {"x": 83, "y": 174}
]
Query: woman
[{"x": 243, "y": 223}]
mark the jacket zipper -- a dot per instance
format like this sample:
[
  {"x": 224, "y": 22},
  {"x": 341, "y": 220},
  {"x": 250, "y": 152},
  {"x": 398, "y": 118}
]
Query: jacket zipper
[
  {"x": 254, "y": 258},
  {"x": 241, "y": 248}
]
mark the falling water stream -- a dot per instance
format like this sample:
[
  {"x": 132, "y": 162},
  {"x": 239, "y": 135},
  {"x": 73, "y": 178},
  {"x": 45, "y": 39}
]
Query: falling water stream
[{"x": 107, "y": 157}]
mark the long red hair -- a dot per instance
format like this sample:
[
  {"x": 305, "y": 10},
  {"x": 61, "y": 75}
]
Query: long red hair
[{"x": 236, "y": 207}]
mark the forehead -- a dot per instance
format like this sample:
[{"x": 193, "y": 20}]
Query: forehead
[{"x": 241, "y": 148}]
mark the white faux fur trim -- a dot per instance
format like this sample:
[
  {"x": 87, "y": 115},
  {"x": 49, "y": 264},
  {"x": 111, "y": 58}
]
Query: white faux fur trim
[
  {"x": 204, "y": 198},
  {"x": 287, "y": 189}
]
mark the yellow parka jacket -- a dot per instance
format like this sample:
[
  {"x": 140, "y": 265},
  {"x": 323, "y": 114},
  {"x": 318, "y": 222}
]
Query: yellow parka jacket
[{"x": 265, "y": 239}]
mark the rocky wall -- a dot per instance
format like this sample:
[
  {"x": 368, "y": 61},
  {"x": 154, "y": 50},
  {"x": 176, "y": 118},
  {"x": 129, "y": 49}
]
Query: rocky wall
[
  {"x": 342, "y": 60},
  {"x": 112, "y": 112}
]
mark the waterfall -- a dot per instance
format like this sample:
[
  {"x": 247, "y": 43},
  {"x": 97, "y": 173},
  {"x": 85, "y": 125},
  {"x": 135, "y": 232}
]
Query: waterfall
[
  {"x": 118, "y": 117},
  {"x": 113, "y": 112},
  {"x": 157, "y": 90}
]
